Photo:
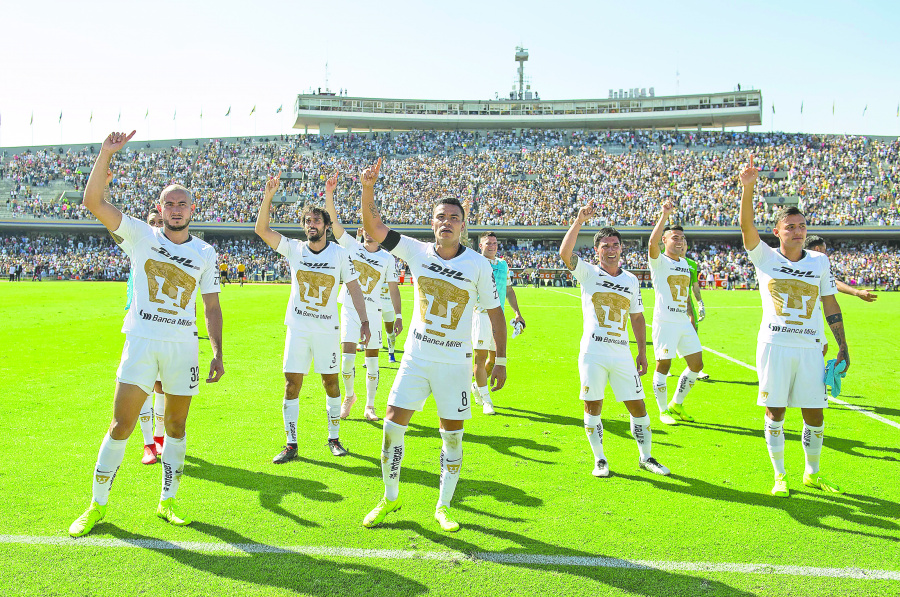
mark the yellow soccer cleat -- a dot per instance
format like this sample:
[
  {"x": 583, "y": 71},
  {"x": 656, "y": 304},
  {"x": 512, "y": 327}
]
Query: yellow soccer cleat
[
  {"x": 819, "y": 482},
  {"x": 780, "y": 489},
  {"x": 677, "y": 410},
  {"x": 380, "y": 512},
  {"x": 168, "y": 510},
  {"x": 84, "y": 523},
  {"x": 442, "y": 515}
]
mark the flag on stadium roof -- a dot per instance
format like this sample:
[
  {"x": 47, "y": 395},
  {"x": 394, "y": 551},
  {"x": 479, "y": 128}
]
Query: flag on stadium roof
[
  {"x": 773, "y": 108},
  {"x": 32, "y": 119},
  {"x": 120, "y": 116},
  {"x": 91, "y": 118},
  {"x": 278, "y": 111},
  {"x": 147, "y": 114},
  {"x": 253, "y": 110},
  {"x": 174, "y": 114},
  {"x": 801, "y": 107},
  {"x": 228, "y": 113},
  {"x": 864, "y": 109},
  {"x": 60, "y": 115}
]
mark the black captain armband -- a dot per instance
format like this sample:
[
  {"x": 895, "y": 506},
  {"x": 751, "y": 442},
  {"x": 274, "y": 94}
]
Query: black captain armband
[
  {"x": 833, "y": 319},
  {"x": 391, "y": 241}
]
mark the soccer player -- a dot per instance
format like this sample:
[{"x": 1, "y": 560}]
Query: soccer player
[
  {"x": 482, "y": 333},
  {"x": 313, "y": 332},
  {"x": 223, "y": 272},
  {"x": 793, "y": 283},
  {"x": 817, "y": 243},
  {"x": 374, "y": 265},
  {"x": 673, "y": 333},
  {"x": 170, "y": 267},
  {"x": 391, "y": 312},
  {"x": 449, "y": 280},
  {"x": 242, "y": 270},
  {"x": 698, "y": 313},
  {"x": 610, "y": 296}
]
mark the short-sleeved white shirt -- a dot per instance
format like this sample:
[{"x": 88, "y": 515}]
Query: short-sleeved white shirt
[
  {"x": 606, "y": 303},
  {"x": 446, "y": 292},
  {"x": 791, "y": 293},
  {"x": 372, "y": 268},
  {"x": 166, "y": 278},
  {"x": 672, "y": 287},
  {"x": 315, "y": 278}
]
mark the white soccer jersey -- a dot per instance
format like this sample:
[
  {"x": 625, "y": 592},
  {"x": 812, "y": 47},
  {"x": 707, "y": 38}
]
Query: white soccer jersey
[
  {"x": 606, "y": 303},
  {"x": 672, "y": 286},
  {"x": 165, "y": 278},
  {"x": 446, "y": 292},
  {"x": 314, "y": 283},
  {"x": 372, "y": 269},
  {"x": 791, "y": 293}
]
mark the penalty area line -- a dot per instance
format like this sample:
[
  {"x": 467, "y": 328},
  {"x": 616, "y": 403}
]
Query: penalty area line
[{"x": 451, "y": 556}]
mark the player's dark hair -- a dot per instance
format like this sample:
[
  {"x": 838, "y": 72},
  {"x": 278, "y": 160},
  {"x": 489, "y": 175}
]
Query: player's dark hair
[
  {"x": 604, "y": 232},
  {"x": 450, "y": 201},
  {"x": 813, "y": 240},
  {"x": 484, "y": 235},
  {"x": 784, "y": 212},
  {"x": 315, "y": 209},
  {"x": 674, "y": 227}
]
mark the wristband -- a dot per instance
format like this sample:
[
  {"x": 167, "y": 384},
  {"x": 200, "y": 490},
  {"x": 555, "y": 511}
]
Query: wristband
[{"x": 500, "y": 361}]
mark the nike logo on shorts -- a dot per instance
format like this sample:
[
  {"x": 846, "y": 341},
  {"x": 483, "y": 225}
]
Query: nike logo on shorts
[
  {"x": 193, "y": 386},
  {"x": 462, "y": 409}
]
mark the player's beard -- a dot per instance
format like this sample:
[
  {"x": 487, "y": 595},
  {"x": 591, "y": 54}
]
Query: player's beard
[
  {"x": 187, "y": 223},
  {"x": 313, "y": 235}
]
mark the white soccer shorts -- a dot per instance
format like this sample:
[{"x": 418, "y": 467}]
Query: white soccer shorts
[
  {"x": 175, "y": 364},
  {"x": 387, "y": 310},
  {"x": 671, "y": 339},
  {"x": 790, "y": 377},
  {"x": 449, "y": 384},
  {"x": 302, "y": 348},
  {"x": 620, "y": 372},
  {"x": 350, "y": 328},
  {"x": 482, "y": 332}
]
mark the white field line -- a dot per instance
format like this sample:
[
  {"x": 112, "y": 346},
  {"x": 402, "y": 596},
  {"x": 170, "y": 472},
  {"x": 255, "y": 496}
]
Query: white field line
[
  {"x": 484, "y": 556},
  {"x": 858, "y": 409}
]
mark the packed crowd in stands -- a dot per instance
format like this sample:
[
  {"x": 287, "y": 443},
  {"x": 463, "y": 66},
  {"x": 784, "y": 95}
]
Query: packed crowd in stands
[
  {"x": 538, "y": 178},
  {"x": 96, "y": 257}
]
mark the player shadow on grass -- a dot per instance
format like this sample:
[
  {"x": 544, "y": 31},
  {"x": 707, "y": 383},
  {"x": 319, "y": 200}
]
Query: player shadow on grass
[
  {"x": 268, "y": 566},
  {"x": 628, "y": 577},
  {"x": 875, "y": 408},
  {"x": 808, "y": 508},
  {"x": 502, "y": 444},
  {"x": 611, "y": 425},
  {"x": 271, "y": 488}
]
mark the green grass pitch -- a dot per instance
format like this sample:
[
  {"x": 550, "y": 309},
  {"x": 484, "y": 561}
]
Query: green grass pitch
[{"x": 525, "y": 490}]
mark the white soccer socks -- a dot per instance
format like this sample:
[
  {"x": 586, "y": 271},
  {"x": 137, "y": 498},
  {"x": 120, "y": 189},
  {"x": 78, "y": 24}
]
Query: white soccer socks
[
  {"x": 159, "y": 416},
  {"x": 291, "y": 412},
  {"x": 392, "y": 458},
  {"x": 333, "y": 408},
  {"x": 390, "y": 342},
  {"x": 484, "y": 392},
  {"x": 593, "y": 427},
  {"x": 640, "y": 430},
  {"x": 109, "y": 459},
  {"x": 348, "y": 372},
  {"x": 451, "y": 462},
  {"x": 775, "y": 443},
  {"x": 173, "y": 465},
  {"x": 813, "y": 437},
  {"x": 146, "y": 421},
  {"x": 685, "y": 383},
  {"x": 371, "y": 380},
  {"x": 659, "y": 391}
]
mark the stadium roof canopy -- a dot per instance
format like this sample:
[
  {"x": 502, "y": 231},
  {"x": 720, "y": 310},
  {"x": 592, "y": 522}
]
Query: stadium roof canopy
[{"x": 327, "y": 113}]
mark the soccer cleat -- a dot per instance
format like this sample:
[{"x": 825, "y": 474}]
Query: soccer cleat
[
  {"x": 654, "y": 467},
  {"x": 819, "y": 482},
  {"x": 84, "y": 523},
  {"x": 346, "y": 405},
  {"x": 380, "y": 512},
  {"x": 677, "y": 410},
  {"x": 336, "y": 448},
  {"x": 780, "y": 489},
  {"x": 391, "y": 358},
  {"x": 601, "y": 469},
  {"x": 168, "y": 510},
  {"x": 703, "y": 376},
  {"x": 158, "y": 440},
  {"x": 666, "y": 417},
  {"x": 289, "y": 453},
  {"x": 442, "y": 515},
  {"x": 149, "y": 454},
  {"x": 488, "y": 407},
  {"x": 370, "y": 414}
]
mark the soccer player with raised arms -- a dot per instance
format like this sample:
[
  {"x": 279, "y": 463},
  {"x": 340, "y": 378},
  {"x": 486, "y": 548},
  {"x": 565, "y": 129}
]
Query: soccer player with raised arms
[
  {"x": 449, "y": 280},
  {"x": 793, "y": 283},
  {"x": 318, "y": 267},
  {"x": 170, "y": 267},
  {"x": 610, "y": 297},
  {"x": 673, "y": 333}
]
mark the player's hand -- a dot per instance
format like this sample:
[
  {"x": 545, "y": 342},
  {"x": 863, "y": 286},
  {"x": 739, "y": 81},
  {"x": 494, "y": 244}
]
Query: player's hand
[
  {"x": 331, "y": 183},
  {"x": 398, "y": 326},
  {"x": 116, "y": 141},
  {"x": 364, "y": 334},
  {"x": 667, "y": 208},
  {"x": 842, "y": 355},
  {"x": 641, "y": 362},
  {"x": 370, "y": 175},
  {"x": 216, "y": 370},
  {"x": 498, "y": 377},
  {"x": 701, "y": 311},
  {"x": 586, "y": 212},
  {"x": 749, "y": 174},
  {"x": 467, "y": 206},
  {"x": 519, "y": 319},
  {"x": 272, "y": 186},
  {"x": 866, "y": 295}
]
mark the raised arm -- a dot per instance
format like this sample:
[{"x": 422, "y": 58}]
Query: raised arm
[
  {"x": 749, "y": 175},
  {"x": 336, "y": 226},
  {"x": 836, "y": 322},
  {"x": 657, "y": 234},
  {"x": 94, "y": 199},
  {"x": 370, "y": 218},
  {"x": 567, "y": 246},
  {"x": 271, "y": 237}
]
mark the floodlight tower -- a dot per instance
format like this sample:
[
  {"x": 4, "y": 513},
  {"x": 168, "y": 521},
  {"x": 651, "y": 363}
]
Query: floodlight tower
[{"x": 521, "y": 58}]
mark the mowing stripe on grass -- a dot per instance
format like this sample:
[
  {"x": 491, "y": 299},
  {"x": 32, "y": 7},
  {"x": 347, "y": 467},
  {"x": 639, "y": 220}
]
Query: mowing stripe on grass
[{"x": 455, "y": 556}]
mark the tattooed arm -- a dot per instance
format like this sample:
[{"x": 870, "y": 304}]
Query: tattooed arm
[
  {"x": 836, "y": 322},
  {"x": 370, "y": 217}
]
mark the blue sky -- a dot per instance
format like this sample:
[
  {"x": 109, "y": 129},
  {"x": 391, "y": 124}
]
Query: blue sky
[{"x": 178, "y": 58}]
